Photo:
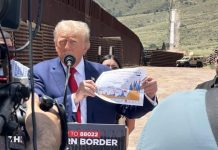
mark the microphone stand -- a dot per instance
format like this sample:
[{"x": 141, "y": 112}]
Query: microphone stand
[
  {"x": 64, "y": 124},
  {"x": 65, "y": 86},
  {"x": 69, "y": 61}
]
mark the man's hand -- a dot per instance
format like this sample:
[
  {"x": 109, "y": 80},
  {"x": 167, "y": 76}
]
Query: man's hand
[
  {"x": 86, "y": 88},
  {"x": 48, "y": 126},
  {"x": 150, "y": 86}
]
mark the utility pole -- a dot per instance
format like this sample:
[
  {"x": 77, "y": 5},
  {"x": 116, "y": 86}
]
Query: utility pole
[{"x": 172, "y": 20}]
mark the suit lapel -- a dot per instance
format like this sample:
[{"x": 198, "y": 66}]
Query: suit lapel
[
  {"x": 58, "y": 74},
  {"x": 91, "y": 74}
]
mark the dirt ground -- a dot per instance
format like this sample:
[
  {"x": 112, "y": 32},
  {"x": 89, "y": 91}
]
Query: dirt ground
[{"x": 170, "y": 80}]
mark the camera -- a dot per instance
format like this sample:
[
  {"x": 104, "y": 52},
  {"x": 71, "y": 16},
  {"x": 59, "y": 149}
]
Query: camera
[{"x": 12, "y": 94}]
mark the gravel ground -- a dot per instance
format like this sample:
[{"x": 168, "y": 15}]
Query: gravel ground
[{"x": 170, "y": 80}]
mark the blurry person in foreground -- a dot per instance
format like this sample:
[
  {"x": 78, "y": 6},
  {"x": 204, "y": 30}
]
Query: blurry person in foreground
[
  {"x": 48, "y": 127},
  {"x": 179, "y": 122}
]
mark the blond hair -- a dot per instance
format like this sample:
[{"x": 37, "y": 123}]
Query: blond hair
[{"x": 75, "y": 27}]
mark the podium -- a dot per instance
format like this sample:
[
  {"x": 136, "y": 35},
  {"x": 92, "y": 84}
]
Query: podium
[
  {"x": 83, "y": 137},
  {"x": 96, "y": 137}
]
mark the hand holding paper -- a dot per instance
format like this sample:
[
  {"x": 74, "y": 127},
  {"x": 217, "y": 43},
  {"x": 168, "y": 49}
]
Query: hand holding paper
[
  {"x": 150, "y": 86},
  {"x": 122, "y": 86}
]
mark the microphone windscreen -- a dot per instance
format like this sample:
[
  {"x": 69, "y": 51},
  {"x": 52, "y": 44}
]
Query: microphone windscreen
[{"x": 69, "y": 60}]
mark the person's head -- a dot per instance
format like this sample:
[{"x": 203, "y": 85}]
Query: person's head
[
  {"x": 216, "y": 64},
  {"x": 111, "y": 61},
  {"x": 9, "y": 43},
  {"x": 71, "y": 37},
  {"x": 7, "y": 37},
  {"x": 215, "y": 56}
]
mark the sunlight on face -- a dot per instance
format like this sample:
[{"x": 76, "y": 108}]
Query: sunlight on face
[
  {"x": 111, "y": 64},
  {"x": 63, "y": 41}
]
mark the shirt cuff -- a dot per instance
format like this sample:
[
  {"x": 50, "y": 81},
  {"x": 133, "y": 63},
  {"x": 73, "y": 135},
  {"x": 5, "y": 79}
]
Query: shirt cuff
[
  {"x": 152, "y": 101},
  {"x": 74, "y": 106}
]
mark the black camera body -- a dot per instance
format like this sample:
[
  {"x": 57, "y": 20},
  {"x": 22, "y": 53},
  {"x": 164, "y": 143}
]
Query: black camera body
[
  {"x": 12, "y": 94},
  {"x": 10, "y": 13}
]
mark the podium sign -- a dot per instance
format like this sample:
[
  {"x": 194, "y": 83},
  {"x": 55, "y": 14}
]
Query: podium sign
[{"x": 96, "y": 137}]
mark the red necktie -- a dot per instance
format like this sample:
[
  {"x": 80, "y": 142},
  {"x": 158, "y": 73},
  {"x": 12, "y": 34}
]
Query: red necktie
[{"x": 73, "y": 88}]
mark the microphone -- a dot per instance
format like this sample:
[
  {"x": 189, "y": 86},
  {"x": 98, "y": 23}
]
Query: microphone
[
  {"x": 46, "y": 103},
  {"x": 69, "y": 60}
]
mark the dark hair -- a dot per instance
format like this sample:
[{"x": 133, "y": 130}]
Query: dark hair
[{"x": 106, "y": 57}]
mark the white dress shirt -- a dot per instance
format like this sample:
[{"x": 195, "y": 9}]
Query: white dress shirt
[{"x": 79, "y": 77}]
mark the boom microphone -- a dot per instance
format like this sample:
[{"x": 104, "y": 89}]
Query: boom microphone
[{"x": 69, "y": 60}]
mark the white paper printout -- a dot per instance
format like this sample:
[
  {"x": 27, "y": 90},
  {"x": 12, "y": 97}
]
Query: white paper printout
[{"x": 121, "y": 86}]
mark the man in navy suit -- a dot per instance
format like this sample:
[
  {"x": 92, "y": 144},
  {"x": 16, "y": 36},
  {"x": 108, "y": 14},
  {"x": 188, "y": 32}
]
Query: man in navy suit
[{"x": 72, "y": 37}]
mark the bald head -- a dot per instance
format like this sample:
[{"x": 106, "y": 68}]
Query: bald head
[
  {"x": 7, "y": 37},
  {"x": 216, "y": 64}
]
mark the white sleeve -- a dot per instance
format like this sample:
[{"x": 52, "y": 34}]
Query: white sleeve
[
  {"x": 74, "y": 106},
  {"x": 153, "y": 102}
]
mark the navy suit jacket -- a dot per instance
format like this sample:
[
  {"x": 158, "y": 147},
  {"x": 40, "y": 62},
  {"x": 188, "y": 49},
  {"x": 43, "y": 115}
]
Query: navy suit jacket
[{"x": 49, "y": 79}]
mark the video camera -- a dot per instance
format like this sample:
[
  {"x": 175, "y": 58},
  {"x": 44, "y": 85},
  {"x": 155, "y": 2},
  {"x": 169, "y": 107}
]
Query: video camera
[{"x": 12, "y": 94}]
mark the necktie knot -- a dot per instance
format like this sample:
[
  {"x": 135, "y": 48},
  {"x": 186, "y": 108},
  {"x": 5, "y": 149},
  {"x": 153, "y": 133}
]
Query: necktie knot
[{"x": 72, "y": 70}]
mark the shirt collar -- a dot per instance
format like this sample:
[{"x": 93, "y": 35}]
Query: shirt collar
[{"x": 79, "y": 68}]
